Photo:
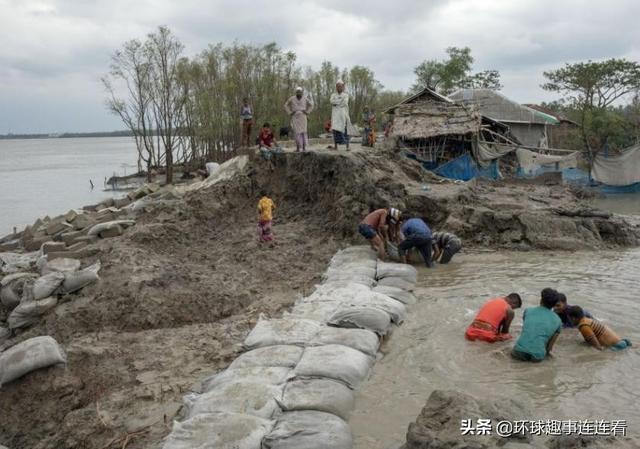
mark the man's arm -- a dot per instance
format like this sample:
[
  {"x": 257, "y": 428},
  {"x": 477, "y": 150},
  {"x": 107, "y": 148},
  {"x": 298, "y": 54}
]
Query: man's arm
[
  {"x": 589, "y": 336},
  {"x": 504, "y": 329},
  {"x": 287, "y": 107},
  {"x": 552, "y": 341}
]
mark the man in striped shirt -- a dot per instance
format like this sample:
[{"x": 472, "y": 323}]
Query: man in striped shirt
[
  {"x": 594, "y": 332},
  {"x": 445, "y": 245}
]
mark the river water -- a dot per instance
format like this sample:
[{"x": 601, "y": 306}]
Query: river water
[
  {"x": 429, "y": 350},
  {"x": 51, "y": 176}
]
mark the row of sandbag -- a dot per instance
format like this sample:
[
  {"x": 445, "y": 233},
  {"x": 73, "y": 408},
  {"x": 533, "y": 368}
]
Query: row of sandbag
[
  {"x": 294, "y": 387},
  {"x": 29, "y": 295}
]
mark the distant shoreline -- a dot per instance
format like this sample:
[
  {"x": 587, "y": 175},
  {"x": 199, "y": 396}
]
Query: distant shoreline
[{"x": 65, "y": 135}]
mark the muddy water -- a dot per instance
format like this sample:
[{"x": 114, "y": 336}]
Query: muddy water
[{"x": 429, "y": 351}]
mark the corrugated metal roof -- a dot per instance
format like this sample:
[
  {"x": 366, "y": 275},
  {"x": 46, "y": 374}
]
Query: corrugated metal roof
[{"x": 495, "y": 105}]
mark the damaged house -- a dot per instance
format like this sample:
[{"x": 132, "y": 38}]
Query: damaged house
[{"x": 465, "y": 139}]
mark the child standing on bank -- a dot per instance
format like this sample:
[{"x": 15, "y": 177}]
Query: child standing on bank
[{"x": 265, "y": 218}]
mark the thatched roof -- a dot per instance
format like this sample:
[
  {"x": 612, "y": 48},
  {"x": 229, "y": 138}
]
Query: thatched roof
[
  {"x": 425, "y": 94},
  {"x": 430, "y": 119}
]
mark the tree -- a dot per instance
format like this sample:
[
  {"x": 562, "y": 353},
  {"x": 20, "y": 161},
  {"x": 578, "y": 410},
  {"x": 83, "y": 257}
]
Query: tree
[
  {"x": 591, "y": 89},
  {"x": 131, "y": 68},
  {"x": 164, "y": 50},
  {"x": 454, "y": 73}
]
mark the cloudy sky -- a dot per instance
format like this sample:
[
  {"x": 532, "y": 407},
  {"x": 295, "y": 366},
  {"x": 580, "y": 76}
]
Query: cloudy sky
[{"x": 53, "y": 52}]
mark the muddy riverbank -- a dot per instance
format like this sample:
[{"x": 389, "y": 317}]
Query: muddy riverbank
[{"x": 180, "y": 289}]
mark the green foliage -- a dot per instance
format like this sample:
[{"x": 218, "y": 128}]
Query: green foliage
[
  {"x": 201, "y": 96},
  {"x": 454, "y": 73},
  {"x": 590, "y": 90}
]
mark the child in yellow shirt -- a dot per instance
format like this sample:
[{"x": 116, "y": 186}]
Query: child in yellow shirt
[
  {"x": 265, "y": 218},
  {"x": 594, "y": 332}
]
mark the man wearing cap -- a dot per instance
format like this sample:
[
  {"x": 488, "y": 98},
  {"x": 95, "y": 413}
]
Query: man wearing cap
[
  {"x": 298, "y": 108},
  {"x": 375, "y": 228},
  {"x": 340, "y": 121}
]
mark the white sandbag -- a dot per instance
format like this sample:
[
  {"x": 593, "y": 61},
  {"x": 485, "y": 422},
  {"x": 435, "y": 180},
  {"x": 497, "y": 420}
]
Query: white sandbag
[
  {"x": 401, "y": 270},
  {"x": 319, "y": 311},
  {"x": 346, "y": 278},
  {"x": 252, "y": 398},
  {"x": 283, "y": 331},
  {"x": 397, "y": 282},
  {"x": 106, "y": 226},
  {"x": 361, "y": 339},
  {"x": 62, "y": 265},
  {"x": 80, "y": 279},
  {"x": 44, "y": 286},
  {"x": 397, "y": 311},
  {"x": 16, "y": 262},
  {"x": 337, "y": 362},
  {"x": 361, "y": 317},
  {"x": 322, "y": 395},
  {"x": 279, "y": 355},
  {"x": 29, "y": 312},
  {"x": 15, "y": 276},
  {"x": 398, "y": 294},
  {"x": 354, "y": 269},
  {"x": 218, "y": 431},
  {"x": 309, "y": 430},
  {"x": 273, "y": 375},
  {"x": 30, "y": 355}
]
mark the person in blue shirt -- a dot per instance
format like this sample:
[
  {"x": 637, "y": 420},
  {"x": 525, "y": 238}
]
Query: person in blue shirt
[
  {"x": 561, "y": 308},
  {"x": 416, "y": 235},
  {"x": 540, "y": 329}
]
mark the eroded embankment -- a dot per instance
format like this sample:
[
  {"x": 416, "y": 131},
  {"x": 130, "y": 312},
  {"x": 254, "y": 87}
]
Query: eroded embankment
[{"x": 181, "y": 288}]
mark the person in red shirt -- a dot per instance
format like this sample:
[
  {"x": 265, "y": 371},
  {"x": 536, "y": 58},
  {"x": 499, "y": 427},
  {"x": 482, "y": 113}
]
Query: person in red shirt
[
  {"x": 268, "y": 145},
  {"x": 492, "y": 322}
]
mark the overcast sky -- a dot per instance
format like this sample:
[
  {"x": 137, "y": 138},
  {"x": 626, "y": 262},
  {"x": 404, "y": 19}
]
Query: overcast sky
[{"x": 53, "y": 52}]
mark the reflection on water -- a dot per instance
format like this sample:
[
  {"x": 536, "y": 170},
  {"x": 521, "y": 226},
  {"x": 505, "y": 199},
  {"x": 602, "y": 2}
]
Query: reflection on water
[{"x": 429, "y": 350}]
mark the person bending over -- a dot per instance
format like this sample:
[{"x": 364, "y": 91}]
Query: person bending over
[
  {"x": 445, "y": 245},
  {"x": 492, "y": 322},
  {"x": 416, "y": 235},
  {"x": 594, "y": 332},
  {"x": 540, "y": 329},
  {"x": 375, "y": 228},
  {"x": 561, "y": 309}
]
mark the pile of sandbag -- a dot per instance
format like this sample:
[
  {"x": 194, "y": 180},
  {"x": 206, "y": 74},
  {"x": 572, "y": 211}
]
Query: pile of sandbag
[
  {"x": 397, "y": 275},
  {"x": 294, "y": 385},
  {"x": 29, "y": 296}
]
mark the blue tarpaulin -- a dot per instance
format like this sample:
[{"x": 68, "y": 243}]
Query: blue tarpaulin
[
  {"x": 465, "y": 168},
  {"x": 581, "y": 177}
]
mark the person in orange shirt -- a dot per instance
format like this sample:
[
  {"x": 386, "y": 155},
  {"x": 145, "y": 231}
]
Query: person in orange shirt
[
  {"x": 265, "y": 218},
  {"x": 594, "y": 332},
  {"x": 492, "y": 322}
]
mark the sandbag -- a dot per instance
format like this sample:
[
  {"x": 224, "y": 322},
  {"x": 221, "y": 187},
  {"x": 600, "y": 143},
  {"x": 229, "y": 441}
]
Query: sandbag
[
  {"x": 218, "y": 431},
  {"x": 361, "y": 339},
  {"x": 29, "y": 312},
  {"x": 401, "y": 270},
  {"x": 30, "y": 355},
  {"x": 397, "y": 311},
  {"x": 80, "y": 279},
  {"x": 62, "y": 265},
  {"x": 337, "y": 362},
  {"x": 211, "y": 167},
  {"x": 16, "y": 262},
  {"x": 397, "y": 282},
  {"x": 284, "y": 331},
  {"x": 274, "y": 375},
  {"x": 323, "y": 395},
  {"x": 279, "y": 355},
  {"x": 46, "y": 285},
  {"x": 309, "y": 430},
  {"x": 252, "y": 398},
  {"x": 396, "y": 293},
  {"x": 101, "y": 228},
  {"x": 319, "y": 311},
  {"x": 14, "y": 288},
  {"x": 347, "y": 278},
  {"x": 361, "y": 317},
  {"x": 4, "y": 334}
]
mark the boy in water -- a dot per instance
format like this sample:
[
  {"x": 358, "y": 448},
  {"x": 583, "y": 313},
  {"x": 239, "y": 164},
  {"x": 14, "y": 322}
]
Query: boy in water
[
  {"x": 492, "y": 322},
  {"x": 265, "y": 217},
  {"x": 594, "y": 332},
  {"x": 540, "y": 329},
  {"x": 561, "y": 309}
]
